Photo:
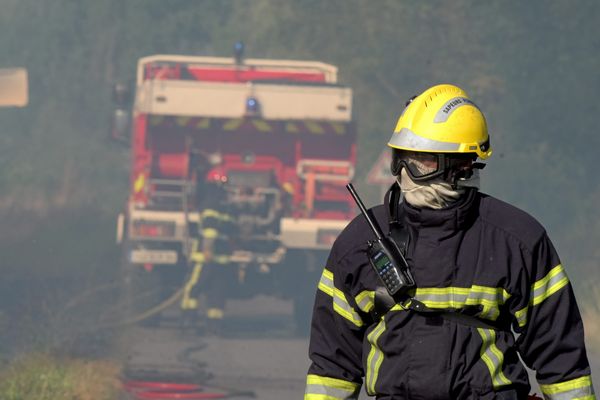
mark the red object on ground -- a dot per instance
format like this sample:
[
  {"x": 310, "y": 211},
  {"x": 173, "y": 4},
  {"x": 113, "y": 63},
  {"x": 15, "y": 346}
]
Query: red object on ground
[
  {"x": 168, "y": 390},
  {"x": 147, "y": 385},
  {"x": 179, "y": 395}
]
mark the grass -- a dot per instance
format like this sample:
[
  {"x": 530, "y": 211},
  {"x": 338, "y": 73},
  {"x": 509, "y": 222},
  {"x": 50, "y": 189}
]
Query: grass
[{"x": 47, "y": 377}]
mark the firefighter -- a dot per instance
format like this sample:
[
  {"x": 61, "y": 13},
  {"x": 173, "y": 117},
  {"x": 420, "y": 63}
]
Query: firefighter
[
  {"x": 216, "y": 229},
  {"x": 489, "y": 284}
]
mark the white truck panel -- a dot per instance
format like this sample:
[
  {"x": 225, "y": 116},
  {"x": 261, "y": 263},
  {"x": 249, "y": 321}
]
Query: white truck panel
[
  {"x": 228, "y": 100},
  {"x": 145, "y": 256}
]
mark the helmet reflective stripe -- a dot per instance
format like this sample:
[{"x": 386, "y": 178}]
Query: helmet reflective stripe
[
  {"x": 450, "y": 106},
  {"x": 408, "y": 140}
]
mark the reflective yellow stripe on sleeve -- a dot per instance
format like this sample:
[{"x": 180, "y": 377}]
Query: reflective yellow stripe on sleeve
[
  {"x": 340, "y": 304},
  {"x": 554, "y": 281},
  {"x": 365, "y": 300},
  {"x": 325, "y": 388},
  {"x": 548, "y": 285},
  {"x": 493, "y": 357},
  {"x": 576, "y": 389},
  {"x": 521, "y": 316}
]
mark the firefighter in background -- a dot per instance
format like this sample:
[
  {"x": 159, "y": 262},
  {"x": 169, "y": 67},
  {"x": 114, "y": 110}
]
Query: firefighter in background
[
  {"x": 482, "y": 268},
  {"x": 216, "y": 228}
]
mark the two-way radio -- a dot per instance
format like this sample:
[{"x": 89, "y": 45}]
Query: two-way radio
[{"x": 384, "y": 255}]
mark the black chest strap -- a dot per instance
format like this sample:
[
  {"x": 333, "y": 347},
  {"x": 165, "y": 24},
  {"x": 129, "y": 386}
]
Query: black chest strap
[{"x": 383, "y": 303}]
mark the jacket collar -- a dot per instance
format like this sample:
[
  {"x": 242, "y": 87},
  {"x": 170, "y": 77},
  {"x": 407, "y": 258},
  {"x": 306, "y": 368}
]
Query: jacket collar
[{"x": 454, "y": 217}]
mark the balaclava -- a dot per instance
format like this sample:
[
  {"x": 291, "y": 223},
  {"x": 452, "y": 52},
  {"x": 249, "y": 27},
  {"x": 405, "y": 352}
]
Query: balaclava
[{"x": 435, "y": 194}]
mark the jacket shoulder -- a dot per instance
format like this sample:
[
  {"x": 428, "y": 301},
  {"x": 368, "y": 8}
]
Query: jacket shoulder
[
  {"x": 511, "y": 219},
  {"x": 357, "y": 233}
]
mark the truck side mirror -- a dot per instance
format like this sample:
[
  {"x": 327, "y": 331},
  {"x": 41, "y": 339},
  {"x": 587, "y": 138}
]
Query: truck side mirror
[
  {"x": 120, "y": 125},
  {"x": 121, "y": 95},
  {"x": 121, "y": 118}
]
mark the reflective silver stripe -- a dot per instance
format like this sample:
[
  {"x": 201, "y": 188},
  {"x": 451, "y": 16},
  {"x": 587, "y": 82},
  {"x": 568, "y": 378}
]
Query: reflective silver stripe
[
  {"x": 456, "y": 297},
  {"x": 325, "y": 388},
  {"x": 493, "y": 357},
  {"x": 575, "y": 394},
  {"x": 579, "y": 389},
  {"x": 340, "y": 304},
  {"x": 365, "y": 300},
  {"x": 375, "y": 357},
  {"x": 330, "y": 392},
  {"x": 490, "y": 298},
  {"x": 326, "y": 282},
  {"x": 550, "y": 284},
  {"x": 521, "y": 316},
  {"x": 450, "y": 106},
  {"x": 407, "y": 139},
  {"x": 554, "y": 281}
]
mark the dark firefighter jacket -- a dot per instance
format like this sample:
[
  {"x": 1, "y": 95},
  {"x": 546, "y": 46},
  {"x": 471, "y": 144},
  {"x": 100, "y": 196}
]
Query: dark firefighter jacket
[
  {"x": 480, "y": 256},
  {"x": 217, "y": 225}
]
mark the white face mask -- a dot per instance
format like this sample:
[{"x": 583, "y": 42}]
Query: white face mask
[{"x": 435, "y": 194}]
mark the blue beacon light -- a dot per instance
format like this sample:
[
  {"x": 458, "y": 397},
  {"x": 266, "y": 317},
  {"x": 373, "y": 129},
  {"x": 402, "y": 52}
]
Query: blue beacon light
[{"x": 252, "y": 105}]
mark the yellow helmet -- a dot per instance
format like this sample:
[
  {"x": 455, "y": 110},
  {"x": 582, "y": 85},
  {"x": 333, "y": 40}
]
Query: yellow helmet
[{"x": 442, "y": 119}]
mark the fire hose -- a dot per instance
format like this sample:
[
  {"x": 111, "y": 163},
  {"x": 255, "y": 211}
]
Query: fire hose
[{"x": 183, "y": 292}]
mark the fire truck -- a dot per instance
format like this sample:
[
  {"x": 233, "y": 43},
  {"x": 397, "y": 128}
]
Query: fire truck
[{"x": 276, "y": 136}]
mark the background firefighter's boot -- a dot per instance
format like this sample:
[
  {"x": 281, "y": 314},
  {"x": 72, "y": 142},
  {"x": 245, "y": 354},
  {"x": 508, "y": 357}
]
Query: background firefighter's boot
[{"x": 214, "y": 320}]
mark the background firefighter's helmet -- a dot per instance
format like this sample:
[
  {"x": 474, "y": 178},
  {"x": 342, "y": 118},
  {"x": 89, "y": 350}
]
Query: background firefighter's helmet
[{"x": 443, "y": 126}]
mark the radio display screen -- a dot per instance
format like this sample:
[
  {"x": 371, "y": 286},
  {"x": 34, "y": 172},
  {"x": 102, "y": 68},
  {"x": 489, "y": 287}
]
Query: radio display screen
[{"x": 381, "y": 261}]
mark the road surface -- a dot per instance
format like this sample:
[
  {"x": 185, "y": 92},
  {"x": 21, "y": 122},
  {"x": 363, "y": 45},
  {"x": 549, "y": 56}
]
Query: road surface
[{"x": 255, "y": 352}]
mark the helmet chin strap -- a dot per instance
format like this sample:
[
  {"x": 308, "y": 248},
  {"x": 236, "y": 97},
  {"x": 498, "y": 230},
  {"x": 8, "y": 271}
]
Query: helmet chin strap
[
  {"x": 472, "y": 182},
  {"x": 463, "y": 178}
]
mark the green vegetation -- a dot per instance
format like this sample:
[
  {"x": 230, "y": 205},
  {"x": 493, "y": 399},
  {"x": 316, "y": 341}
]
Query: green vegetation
[{"x": 45, "y": 377}]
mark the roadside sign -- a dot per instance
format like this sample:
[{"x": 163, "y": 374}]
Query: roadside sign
[
  {"x": 13, "y": 87},
  {"x": 380, "y": 173}
]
